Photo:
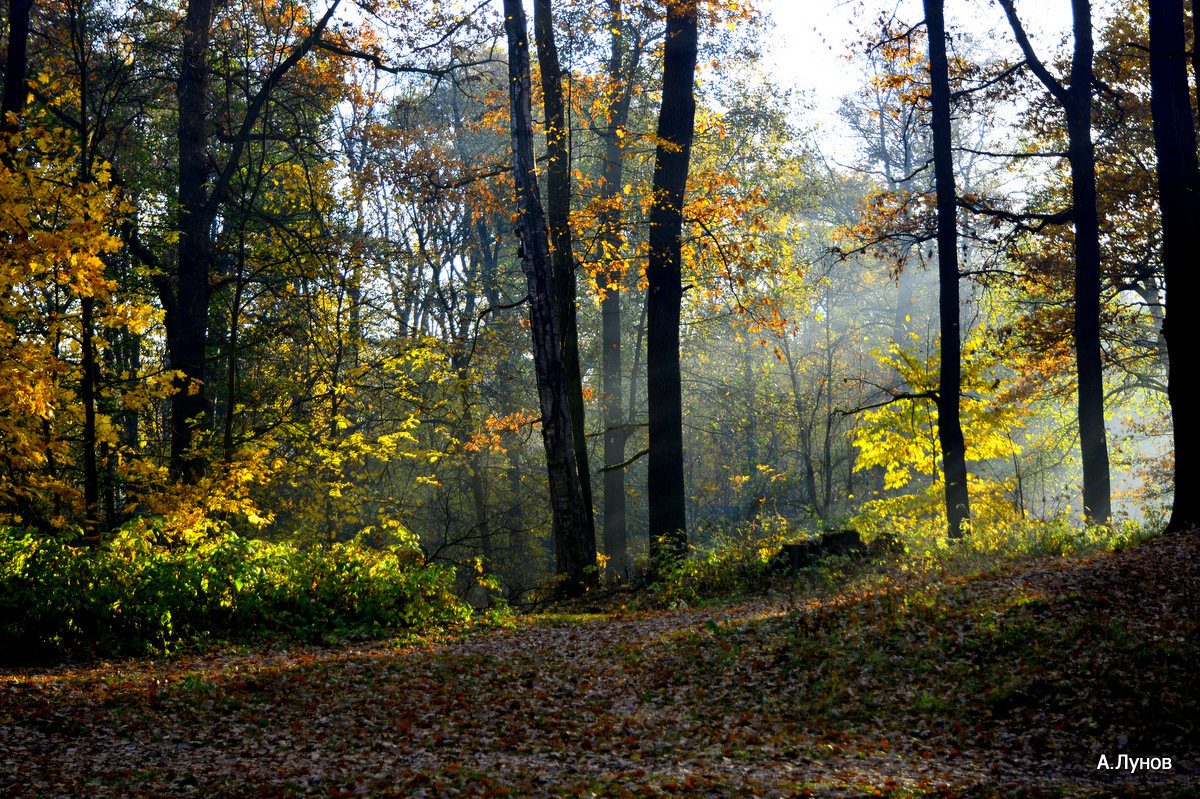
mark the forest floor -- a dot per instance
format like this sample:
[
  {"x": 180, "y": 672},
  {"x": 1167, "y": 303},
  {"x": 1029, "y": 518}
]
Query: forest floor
[{"x": 1016, "y": 681}]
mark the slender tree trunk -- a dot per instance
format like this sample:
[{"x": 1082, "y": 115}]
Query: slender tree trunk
[
  {"x": 616, "y": 435},
  {"x": 1082, "y": 155},
  {"x": 1076, "y": 101},
  {"x": 87, "y": 395},
  {"x": 1195, "y": 54},
  {"x": 1179, "y": 201},
  {"x": 566, "y": 495},
  {"x": 562, "y": 257},
  {"x": 676, "y": 124},
  {"x": 950, "y": 435}
]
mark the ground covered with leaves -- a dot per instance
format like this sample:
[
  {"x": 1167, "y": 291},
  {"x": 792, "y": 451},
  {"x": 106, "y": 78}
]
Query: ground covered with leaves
[{"x": 1011, "y": 682}]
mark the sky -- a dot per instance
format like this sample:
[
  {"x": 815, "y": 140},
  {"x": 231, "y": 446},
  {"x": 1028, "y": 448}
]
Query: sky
[{"x": 810, "y": 42}]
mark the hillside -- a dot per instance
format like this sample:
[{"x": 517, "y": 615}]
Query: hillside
[{"x": 1017, "y": 680}]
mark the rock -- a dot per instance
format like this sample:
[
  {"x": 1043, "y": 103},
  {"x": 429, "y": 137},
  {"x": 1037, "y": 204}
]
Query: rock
[{"x": 801, "y": 555}]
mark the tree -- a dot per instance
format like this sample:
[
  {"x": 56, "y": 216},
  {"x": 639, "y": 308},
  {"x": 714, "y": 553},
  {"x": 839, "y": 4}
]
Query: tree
[
  {"x": 1076, "y": 101},
  {"x": 566, "y": 494},
  {"x": 676, "y": 127},
  {"x": 562, "y": 255},
  {"x": 950, "y": 436},
  {"x": 625, "y": 52},
  {"x": 1179, "y": 201},
  {"x": 202, "y": 191}
]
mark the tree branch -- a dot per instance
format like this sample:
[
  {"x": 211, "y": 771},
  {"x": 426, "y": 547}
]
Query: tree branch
[
  {"x": 1051, "y": 83},
  {"x": 614, "y": 466}
]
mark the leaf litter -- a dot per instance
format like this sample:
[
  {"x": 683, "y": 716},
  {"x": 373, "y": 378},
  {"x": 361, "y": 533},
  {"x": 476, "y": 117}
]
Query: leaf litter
[{"x": 1012, "y": 682}]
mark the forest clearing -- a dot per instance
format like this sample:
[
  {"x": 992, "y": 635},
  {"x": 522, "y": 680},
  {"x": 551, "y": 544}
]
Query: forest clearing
[
  {"x": 1012, "y": 682},
  {"x": 501, "y": 398}
]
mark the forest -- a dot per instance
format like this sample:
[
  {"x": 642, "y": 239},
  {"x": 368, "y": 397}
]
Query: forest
[{"x": 347, "y": 342}]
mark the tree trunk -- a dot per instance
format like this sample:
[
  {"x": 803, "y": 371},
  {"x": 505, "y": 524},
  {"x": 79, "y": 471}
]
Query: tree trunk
[
  {"x": 188, "y": 331},
  {"x": 616, "y": 542},
  {"x": 676, "y": 123},
  {"x": 562, "y": 258},
  {"x": 950, "y": 435},
  {"x": 15, "y": 90},
  {"x": 1077, "y": 103},
  {"x": 1195, "y": 54},
  {"x": 1179, "y": 201},
  {"x": 87, "y": 395},
  {"x": 566, "y": 495},
  {"x": 1081, "y": 153}
]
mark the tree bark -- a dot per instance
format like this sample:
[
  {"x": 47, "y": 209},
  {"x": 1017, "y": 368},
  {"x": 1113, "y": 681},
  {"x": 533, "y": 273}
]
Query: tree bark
[
  {"x": 676, "y": 123},
  {"x": 1179, "y": 202},
  {"x": 950, "y": 435},
  {"x": 562, "y": 257},
  {"x": 566, "y": 495}
]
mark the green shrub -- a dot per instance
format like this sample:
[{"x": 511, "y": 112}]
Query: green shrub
[
  {"x": 129, "y": 598},
  {"x": 730, "y": 564}
]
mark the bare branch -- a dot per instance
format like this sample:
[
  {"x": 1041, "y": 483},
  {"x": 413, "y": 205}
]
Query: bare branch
[{"x": 614, "y": 466}]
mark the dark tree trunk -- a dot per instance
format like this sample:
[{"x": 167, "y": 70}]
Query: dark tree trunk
[
  {"x": 1195, "y": 54},
  {"x": 188, "y": 330},
  {"x": 15, "y": 89},
  {"x": 566, "y": 495},
  {"x": 1077, "y": 104},
  {"x": 950, "y": 435},
  {"x": 87, "y": 395},
  {"x": 1081, "y": 153},
  {"x": 562, "y": 258},
  {"x": 1179, "y": 201},
  {"x": 676, "y": 123}
]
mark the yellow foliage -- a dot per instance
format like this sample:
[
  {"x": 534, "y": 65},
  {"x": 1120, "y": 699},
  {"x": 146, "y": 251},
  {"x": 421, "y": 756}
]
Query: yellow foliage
[{"x": 902, "y": 438}]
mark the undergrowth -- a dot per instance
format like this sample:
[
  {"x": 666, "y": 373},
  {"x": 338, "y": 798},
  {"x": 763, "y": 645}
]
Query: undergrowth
[
  {"x": 128, "y": 597},
  {"x": 734, "y": 564}
]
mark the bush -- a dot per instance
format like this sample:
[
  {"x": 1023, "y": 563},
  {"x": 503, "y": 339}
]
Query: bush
[
  {"x": 130, "y": 598},
  {"x": 731, "y": 564}
]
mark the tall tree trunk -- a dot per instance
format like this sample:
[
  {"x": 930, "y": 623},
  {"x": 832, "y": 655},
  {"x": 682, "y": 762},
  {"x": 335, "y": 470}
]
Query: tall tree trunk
[
  {"x": 1076, "y": 101},
  {"x": 188, "y": 330},
  {"x": 566, "y": 495},
  {"x": 1195, "y": 54},
  {"x": 87, "y": 395},
  {"x": 676, "y": 127},
  {"x": 1179, "y": 201},
  {"x": 616, "y": 434},
  {"x": 950, "y": 435},
  {"x": 1081, "y": 153},
  {"x": 562, "y": 257}
]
